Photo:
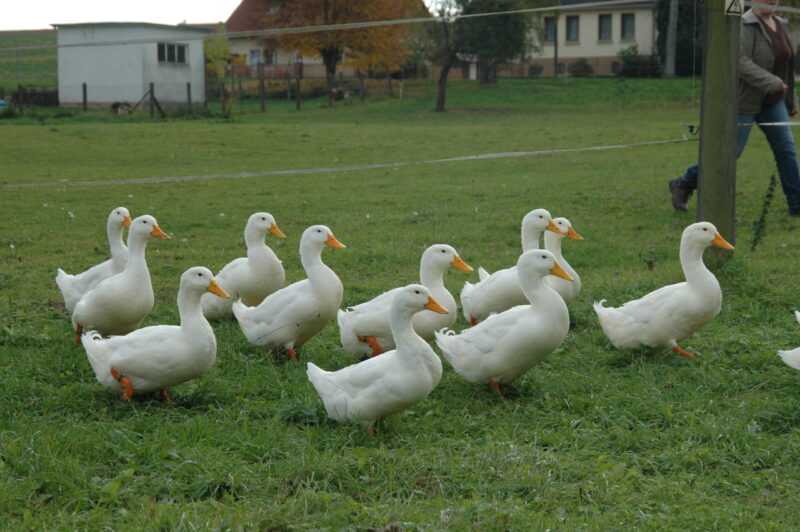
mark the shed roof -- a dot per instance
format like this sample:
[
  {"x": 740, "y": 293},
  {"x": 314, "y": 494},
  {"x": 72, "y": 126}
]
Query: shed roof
[{"x": 180, "y": 27}]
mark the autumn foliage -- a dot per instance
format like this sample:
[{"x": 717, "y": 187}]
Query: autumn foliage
[{"x": 380, "y": 47}]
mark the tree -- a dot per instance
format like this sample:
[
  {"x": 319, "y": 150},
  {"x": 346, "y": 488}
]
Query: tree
[
  {"x": 444, "y": 48},
  {"x": 689, "y": 41},
  {"x": 370, "y": 46},
  {"x": 218, "y": 54},
  {"x": 493, "y": 40},
  {"x": 388, "y": 51}
]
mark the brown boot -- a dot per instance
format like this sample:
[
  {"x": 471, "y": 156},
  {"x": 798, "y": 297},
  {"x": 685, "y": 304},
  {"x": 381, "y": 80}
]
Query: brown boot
[{"x": 680, "y": 195}]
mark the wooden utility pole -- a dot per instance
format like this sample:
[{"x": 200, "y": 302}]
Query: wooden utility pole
[
  {"x": 672, "y": 39},
  {"x": 718, "y": 128}
]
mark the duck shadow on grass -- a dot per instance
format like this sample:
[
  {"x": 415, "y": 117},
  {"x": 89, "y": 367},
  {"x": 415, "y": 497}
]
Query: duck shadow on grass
[
  {"x": 190, "y": 400},
  {"x": 659, "y": 357}
]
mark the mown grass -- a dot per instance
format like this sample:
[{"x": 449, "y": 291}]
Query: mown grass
[{"x": 595, "y": 439}]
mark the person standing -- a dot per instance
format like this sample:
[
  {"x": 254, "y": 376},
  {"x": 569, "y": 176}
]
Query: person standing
[{"x": 765, "y": 96}]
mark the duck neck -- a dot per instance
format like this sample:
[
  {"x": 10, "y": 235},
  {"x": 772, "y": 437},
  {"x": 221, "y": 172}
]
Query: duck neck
[
  {"x": 403, "y": 329},
  {"x": 530, "y": 238},
  {"x": 552, "y": 243},
  {"x": 115, "y": 242},
  {"x": 137, "y": 244},
  {"x": 431, "y": 275},
  {"x": 539, "y": 293},
  {"x": 324, "y": 282},
  {"x": 190, "y": 309},
  {"x": 692, "y": 264},
  {"x": 256, "y": 248},
  {"x": 253, "y": 238},
  {"x": 311, "y": 259}
]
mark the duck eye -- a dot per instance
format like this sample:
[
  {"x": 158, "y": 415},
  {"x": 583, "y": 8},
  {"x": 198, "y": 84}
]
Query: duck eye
[
  {"x": 416, "y": 292},
  {"x": 199, "y": 274},
  {"x": 705, "y": 228},
  {"x": 444, "y": 251}
]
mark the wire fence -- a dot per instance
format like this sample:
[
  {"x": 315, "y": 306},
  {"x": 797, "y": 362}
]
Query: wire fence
[{"x": 611, "y": 39}]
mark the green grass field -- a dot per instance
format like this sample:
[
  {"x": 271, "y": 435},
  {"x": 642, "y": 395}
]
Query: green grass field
[
  {"x": 596, "y": 439},
  {"x": 37, "y": 68}
]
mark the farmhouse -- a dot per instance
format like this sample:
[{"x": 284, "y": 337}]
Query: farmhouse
[
  {"x": 595, "y": 33},
  {"x": 253, "y": 50},
  {"x": 119, "y": 60}
]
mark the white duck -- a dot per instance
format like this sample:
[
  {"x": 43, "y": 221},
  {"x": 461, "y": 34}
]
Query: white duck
[
  {"x": 378, "y": 387},
  {"x": 792, "y": 358},
  {"x": 500, "y": 290},
  {"x": 73, "y": 287},
  {"x": 250, "y": 278},
  {"x": 672, "y": 313},
  {"x": 568, "y": 290},
  {"x": 118, "y": 304},
  {"x": 365, "y": 329},
  {"x": 288, "y": 318},
  {"x": 155, "y": 358},
  {"x": 504, "y": 346}
]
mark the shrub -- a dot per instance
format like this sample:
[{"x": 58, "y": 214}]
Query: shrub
[
  {"x": 580, "y": 68},
  {"x": 535, "y": 70},
  {"x": 638, "y": 66}
]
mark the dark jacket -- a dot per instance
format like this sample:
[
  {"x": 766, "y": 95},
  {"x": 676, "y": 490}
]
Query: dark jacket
[{"x": 756, "y": 61}]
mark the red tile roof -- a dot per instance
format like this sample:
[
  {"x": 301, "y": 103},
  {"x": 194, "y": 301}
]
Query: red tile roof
[{"x": 249, "y": 16}]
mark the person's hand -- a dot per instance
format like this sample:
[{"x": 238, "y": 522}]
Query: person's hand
[
  {"x": 793, "y": 113},
  {"x": 784, "y": 87}
]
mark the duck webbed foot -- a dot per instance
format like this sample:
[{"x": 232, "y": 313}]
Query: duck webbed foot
[
  {"x": 125, "y": 384},
  {"x": 497, "y": 387},
  {"x": 373, "y": 343},
  {"x": 683, "y": 352}
]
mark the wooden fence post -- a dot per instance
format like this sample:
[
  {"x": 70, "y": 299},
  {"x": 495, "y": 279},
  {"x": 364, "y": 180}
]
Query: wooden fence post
[
  {"x": 262, "y": 89},
  {"x": 85, "y": 97},
  {"x": 189, "y": 95},
  {"x": 555, "y": 46},
  {"x": 718, "y": 128},
  {"x": 152, "y": 92}
]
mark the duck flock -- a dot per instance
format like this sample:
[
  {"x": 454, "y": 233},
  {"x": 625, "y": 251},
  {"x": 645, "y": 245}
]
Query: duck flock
[{"x": 517, "y": 315}]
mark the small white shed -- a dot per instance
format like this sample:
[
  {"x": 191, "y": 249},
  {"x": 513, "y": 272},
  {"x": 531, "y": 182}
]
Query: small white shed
[{"x": 118, "y": 60}]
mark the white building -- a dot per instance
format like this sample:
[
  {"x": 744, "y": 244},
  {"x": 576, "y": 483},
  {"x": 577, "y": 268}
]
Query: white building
[
  {"x": 118, "y": 60},
  {"x": 596, "y": 33}
]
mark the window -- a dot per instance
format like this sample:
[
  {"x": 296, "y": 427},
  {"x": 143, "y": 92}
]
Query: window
[
  {"x": 628, "y": 27},
  {"x": 572, "y": 28},
  {"x": 604, "y": 28},
  {"x": 172, "y": 53},
  {"x": 550, "y": 29}
]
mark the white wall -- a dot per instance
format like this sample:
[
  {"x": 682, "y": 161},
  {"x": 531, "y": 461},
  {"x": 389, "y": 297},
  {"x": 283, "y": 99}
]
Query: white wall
[
  {"x": 588, "y": 44},
  {"x": 242, "y": 46},
  {"x": 122, "y": 73}
]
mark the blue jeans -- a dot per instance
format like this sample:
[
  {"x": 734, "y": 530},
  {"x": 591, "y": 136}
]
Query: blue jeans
[{"x": 780, "y": 140}]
